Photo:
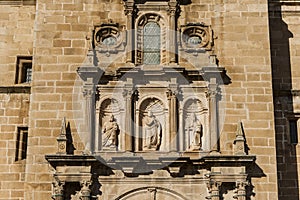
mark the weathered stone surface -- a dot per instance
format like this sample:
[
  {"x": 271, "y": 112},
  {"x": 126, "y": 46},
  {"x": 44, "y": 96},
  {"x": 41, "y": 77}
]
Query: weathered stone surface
[{"x": 256, "y": 42}]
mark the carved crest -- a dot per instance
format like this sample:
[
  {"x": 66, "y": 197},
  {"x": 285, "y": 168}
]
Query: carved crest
[
  {"x": 196, "y": 37},
  {"x": 109, "y": 38}
]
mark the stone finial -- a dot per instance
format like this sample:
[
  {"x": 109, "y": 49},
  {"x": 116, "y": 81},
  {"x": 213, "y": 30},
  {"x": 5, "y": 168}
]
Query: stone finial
[
  {"x": 62, "y": 138},
  {"x": 239, "y": 142}
]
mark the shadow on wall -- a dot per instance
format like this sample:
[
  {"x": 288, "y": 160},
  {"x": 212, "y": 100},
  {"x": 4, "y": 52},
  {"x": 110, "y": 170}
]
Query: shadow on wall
[{"x": 283, "y": 110}]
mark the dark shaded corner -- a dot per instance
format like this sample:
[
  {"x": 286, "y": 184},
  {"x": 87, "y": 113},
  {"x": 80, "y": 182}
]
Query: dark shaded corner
[
  {"x": 70, "y": 146},
  {"x": 283, "y": 103}
]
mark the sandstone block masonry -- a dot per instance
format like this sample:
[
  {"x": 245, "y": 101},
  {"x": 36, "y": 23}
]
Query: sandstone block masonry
[{"x": 256, "y": 42}]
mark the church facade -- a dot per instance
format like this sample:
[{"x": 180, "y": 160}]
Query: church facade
[{"x": 132, "y": 99}]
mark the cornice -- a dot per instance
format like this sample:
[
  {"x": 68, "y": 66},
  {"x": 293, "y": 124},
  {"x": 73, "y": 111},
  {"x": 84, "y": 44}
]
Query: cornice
[
  {"x": 18, "y": 2},
  {"x": 15, "y": 89},
  {"x": 285, "y": 2}
]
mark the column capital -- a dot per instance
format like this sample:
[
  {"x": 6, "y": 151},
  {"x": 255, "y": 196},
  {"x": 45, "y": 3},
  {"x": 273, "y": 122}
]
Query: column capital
[
  {"x": 85, "y": 184},
  {"x": 214, "y": 189},
  {"x": 214, "y": 185},
  {"x": 241, "y": 184},
  {"x": 173, "y": 7},
  {"x": 58, "y": 190},
  {"x": 240, "y": 192},
  {"x": 85, "y": 189},
  {"x": 129, "y": 7},
  {"x": 127, "y": 92},
  {"x": 171, "y": 93}
]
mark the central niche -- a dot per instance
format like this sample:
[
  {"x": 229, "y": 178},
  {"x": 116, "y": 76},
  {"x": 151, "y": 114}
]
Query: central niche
[{"x": 151, "y": 125}]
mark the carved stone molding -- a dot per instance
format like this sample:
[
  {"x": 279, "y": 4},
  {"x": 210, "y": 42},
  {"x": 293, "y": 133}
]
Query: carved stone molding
[{"x": 18, "y": 2}]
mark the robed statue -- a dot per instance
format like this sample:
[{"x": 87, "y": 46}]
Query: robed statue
[
  {"x": 152, "y": 132},
  {"x": 196, "y": 133},
  {"x": 110, "y": 132}
]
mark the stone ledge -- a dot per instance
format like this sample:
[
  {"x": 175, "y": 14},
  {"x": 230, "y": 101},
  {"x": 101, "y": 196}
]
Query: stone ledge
[
  {"x": 15, "y": 89},
  {"x": 131, "y": 165},
  {"x": 18, "y": 2}
]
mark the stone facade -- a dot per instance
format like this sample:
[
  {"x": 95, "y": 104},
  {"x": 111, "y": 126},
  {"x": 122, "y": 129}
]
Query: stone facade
[{"x": 214, "y": 115}]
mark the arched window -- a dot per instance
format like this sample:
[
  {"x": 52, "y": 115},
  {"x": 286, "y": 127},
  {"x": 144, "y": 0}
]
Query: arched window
[{"x": 151, "y": 43}]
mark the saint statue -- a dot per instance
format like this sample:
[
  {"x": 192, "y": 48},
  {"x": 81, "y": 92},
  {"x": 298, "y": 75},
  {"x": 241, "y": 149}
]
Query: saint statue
[
  {"x": 152, "y": 132},
  {"x": 110, "y": 132},
  {"x": 196, "y": 129}
]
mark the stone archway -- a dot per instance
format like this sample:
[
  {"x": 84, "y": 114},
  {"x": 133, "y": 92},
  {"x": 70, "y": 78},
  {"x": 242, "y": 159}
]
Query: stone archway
[{"x": 151, "y": 193}]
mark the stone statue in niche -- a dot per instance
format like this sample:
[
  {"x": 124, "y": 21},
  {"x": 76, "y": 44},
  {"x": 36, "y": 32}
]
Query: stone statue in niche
[
  {"x": 110, "y": 132},
  {"x": 152, "y": 132},
  {"x": 195, "y": 129}
]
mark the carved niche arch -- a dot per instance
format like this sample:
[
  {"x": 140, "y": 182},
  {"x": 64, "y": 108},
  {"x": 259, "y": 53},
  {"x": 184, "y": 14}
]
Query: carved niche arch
[
  {"x": 108, "y": 107},
  {"x": 153, "y": 193},
  {"x": 195, "y": 120},
  {"x": 158, "y": 112},
  {"x": 141, "y": 21}
]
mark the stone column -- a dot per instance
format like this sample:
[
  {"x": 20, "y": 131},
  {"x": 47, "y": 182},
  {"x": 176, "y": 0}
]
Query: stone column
[
  {"x": 129, "y": 6},
  {"x": 213, "y": 110},
  {"x": 214, "y": 190},
  {"x": 89, "y": 90},
  {"x": 90, "y": 75},
  {"x": 172, "y": 34},
  {"x": 181, "y": 141},
  {"x": 58, "y": 190},
  {"x": 85, "y": 190},
  {"x": 240, "y": 190},
  {"x": 171, "y": 94},
  {"x": 127, "y": 94}
]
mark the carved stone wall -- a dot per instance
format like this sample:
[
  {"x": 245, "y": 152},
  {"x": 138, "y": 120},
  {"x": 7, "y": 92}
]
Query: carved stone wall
[{"x": 61, "y": 33}]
